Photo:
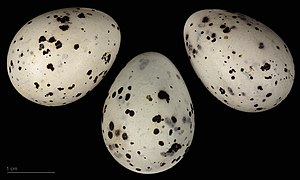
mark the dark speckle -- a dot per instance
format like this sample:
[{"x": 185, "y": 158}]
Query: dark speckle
[
  {"x": 41, "y": 46},
  {"x": 49, "y": 94},
  {"x": 78, "y": 94},
  {"x": 120, "y": 90},
  {"x": 46, "y": 51},
  {"x": 50, "y": 66},
  {"x": 164, "y": 95},
  {"x": 110, "y": 134},
  {"x": 226, "y": 30},
  {"x": 205, "y": 19},
  {"x": 261, "y": 45},
  {"x": 71, "y": 87},
  {"x": 155, "y": 131},
  {"x": 36, "y": 85},
  {"x": 127, "y": 96},
  {"x": 111, "y": 125},
  {"x": 62, "y": 19},
  {"x": 106, "y": 57},
  {"x": 156, "y": 118},
  {"x": 161, "y": 143},
  {"x": 144, "y": 63},
  {"x": 186, "y": 36},
  {"x": 124, "y": 136},
  {"x": 58, "y": 44},
  {"x": 81, "y": 15},
  {"x": 260, "y": 88},
  {"x": 138, "y": 169},
  {"x": 149, "y": 97},
  {"x": 222, "y": 91},
  {"x": 173, "y": 118},
  {"x": 130, "y": 112},
  {"x": 117, "y": 132},
  {"x": 172, "y": 150},
  {"x": 128, "y": 156},
  {"x": 269, "y": 94},
  {"x": 51, "y": 40},
  {"x": 76, "y": 46},
  {"x": 230, "y": 91},
  {"x": 113, "y": 94},
  {"x": 64, "y": 27},
  {"x": 89, "y": 72},
  {"x": 42, "y": 39},
  {"x": 265, "y": 67},
  {"x": 170, "y": 132}
]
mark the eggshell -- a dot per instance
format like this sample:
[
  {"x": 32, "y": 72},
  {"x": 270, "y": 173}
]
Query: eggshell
[
  {"x": 148, "y": 116},
  {"x": 241, "y": 61},
  {"x": 59, "y": 56}
]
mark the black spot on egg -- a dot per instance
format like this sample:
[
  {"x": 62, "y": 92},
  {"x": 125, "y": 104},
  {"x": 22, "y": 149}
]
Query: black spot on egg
[
  {"x": 81, "y": 15},
  {"x": 50, "y": 66},
  {"x": 222, "y": 91},
  {"x": 51, "y": 39},
  {"x": 71, "y": 87},
  {"x": 129, "y": 112},
  {"x": 63, "y": 19},
  {"x": 89, "y": 72},
  {"x": 205, "y": 19},
  {"x": 157, "y": 119},
  {"x": 58, "y": 44},
  {"x": 265, "y": 67},
  {"x": 269, "y": 94},
  {"x": 127, "y": 96},
  {"x": 111, "y": 125},
  {"x": 46, "y": 51},
  {"x": 106, "y": 57},
  {"x": 120, "y": 90},
  {"x": 36, "y": 85},
  {"x": 64, "y": 27},
  {"x": 124, "y": 136},
  {"x": 49, "y": 94},
  {"x": 42, "y": 39},
  {"x": 156, "y": 131},
  {"x": 149, "y": 97},
  {"x": 76, "y": 46},
  {"x": 261, "y": 45},
  {"x": 110, "y": 134},
  {"x": 161, "y": 143},
  {"x": 164, "y": 95}
]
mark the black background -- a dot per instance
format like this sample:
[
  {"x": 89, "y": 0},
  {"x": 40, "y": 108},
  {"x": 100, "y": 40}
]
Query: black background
[{"x": 227, "y": 143}]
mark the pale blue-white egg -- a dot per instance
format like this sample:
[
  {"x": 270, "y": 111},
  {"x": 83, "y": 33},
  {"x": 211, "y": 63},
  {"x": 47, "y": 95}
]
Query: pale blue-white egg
[
  {"x": 148, "y": 116},
  {"x": 241, "y": 61},
  {"x": 58, "y": 57}
]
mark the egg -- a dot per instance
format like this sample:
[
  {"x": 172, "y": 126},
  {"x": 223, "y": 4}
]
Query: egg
[
  {"x": 148, "y": 116},
  {"x": 241, "y": 61},
  {"x": 57, "y": 57}
]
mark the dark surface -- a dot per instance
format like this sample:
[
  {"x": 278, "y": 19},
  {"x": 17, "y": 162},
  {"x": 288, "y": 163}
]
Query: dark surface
[{"x": 227, "y": 143}]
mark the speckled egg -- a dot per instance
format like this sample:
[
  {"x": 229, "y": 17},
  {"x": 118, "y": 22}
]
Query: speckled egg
[
  {"x": 148, "y": 116},
  {"x": 241, "y": 61},
  {"x": 59, "y": 56}
]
